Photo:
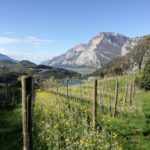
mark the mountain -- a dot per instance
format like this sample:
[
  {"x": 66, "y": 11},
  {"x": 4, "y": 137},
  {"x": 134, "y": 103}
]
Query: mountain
[
  {"x": 6, "y": 58},
  {"x": 68, "y": 58},
  {"x": 97, "y": 52},
  {"x": 130, "y": 44},
  {"x": 134, "y": 60}
]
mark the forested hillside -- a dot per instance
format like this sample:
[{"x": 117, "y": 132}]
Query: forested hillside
[{"x": 133, "y": 61}]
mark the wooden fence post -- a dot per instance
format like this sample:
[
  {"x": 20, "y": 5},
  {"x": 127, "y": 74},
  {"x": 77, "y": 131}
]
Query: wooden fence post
[
  {"x": 57, "y": 87},
  {"x": 116, "y": 99},
  {"x": 126, "y": 94},
  {"x": 134, "y": 91},
  {"x": 6, "y": 95},
  {"x": 95, "y": 105},
  {"x": 27, "y": 106},
  {"x": 130, "y": 96},
  {"x": 87, "y": 90},
  {"x": 102, "y": 94},
  {"x": 52, "y": 87},
  {"x": 110, "y": 107},
  {"x": 67, "y": 90},
  {"x": 81, "y": 91},
  {"x": 13, "y": 95}
]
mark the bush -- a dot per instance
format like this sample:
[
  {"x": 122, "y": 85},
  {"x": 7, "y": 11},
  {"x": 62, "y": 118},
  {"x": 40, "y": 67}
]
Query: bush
[
  {"x": 144, "y": 81},
  {"x": 117, "y": 70},
  {"x": 102, "y": 74}
]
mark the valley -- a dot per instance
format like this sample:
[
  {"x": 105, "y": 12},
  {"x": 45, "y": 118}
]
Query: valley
[{"x": 105, "y": 107}]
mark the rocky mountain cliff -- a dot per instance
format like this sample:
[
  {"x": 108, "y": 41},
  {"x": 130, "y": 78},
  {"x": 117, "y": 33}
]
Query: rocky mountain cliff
[
  {"x": 133, "y": 61},
  {"x": 98, "y": 51}
]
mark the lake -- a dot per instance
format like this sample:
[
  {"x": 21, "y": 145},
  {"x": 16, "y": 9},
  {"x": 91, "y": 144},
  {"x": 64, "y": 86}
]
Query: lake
[{"x": 70, "y": 83}]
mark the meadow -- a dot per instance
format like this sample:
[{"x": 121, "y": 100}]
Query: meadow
[
  {"x": 10, "y": 117},
  {"x": 65, "y": 116}
]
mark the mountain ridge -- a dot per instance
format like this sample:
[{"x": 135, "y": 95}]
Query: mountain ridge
[
  {"x": 101, "y": 49},
  {"x": 6, "y": 58},
  {"x": 133, "y": 61}
]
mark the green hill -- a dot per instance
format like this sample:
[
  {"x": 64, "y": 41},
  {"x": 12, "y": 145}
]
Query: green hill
[{"x": 11, "y": 71}]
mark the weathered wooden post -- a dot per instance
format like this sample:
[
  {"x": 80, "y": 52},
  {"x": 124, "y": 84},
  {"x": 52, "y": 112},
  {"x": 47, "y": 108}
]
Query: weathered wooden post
[
  {"x": 81, "y": 91},
  {"x": 110, "y": 107},
  {"x": 134, "y": 91},
  {"x": 57, "y": 87},
  {"x": 13, "y": 95},
  {"x": 67, "y": 90},
  {"x": 88, "y": 122},
  {"x": 126, "y": 94},
  {"x": 52, "y": 87},
  {"x": 101, "y": 97},
  {"x": 6, "y": 95},
  {"x": 27, "y": 106},
  {"x": 95, "y": 105},
  {"x": 130, "y": 96},
  {"x": 87, "y": 89},
  {"x": 116, "y": 99}
]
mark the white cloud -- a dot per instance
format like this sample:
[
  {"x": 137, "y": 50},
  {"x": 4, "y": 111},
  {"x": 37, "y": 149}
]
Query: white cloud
[
  {"x": 32, "y": 40},
  {"x": 36, "y": 41},
  {"x": 36, "y": 57},
  {"x": 9, "y": 33},
  {"x": 3, "y": 50},
  {"x": 7, "y": 40}
]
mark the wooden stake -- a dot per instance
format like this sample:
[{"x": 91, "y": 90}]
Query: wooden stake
[
  {"x": 95, "y": 105},
  {"x": 130, "y": 96},
  {"x": 57, "y": 87},
  {"x": 126, "y": 94},
  {"x": 134, "y": 91},
  {"x": 81, "y": 91},
  {"x": 6, "y": 95},
  {"x": 110, "y": 108},
  {"x": 27, "y": 106},
  {"x": 116, "y": 99},
  {"x": 101, "y": 97},
  {"x": 13, "y": 95},
  {"x": 67, "y": 90}
]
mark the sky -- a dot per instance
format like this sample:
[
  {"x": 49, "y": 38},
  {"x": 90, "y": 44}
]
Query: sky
[{"x": 38, "y": 30}]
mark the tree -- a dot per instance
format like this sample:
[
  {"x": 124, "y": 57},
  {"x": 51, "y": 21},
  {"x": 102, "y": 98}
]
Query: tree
[
  {"x": 144, "y": 81},
  {"x": 102, "y": 74},
  {"x": 147, "y": 67},
  {"x": 117, "y": 70},
  {"x": 139, "y": 54}
]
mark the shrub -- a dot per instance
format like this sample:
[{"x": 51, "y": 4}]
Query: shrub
[
  {"x": 102, "y": 74},
  {"x": 117, "y": 70},
  {"x": 144, "y": 81}
]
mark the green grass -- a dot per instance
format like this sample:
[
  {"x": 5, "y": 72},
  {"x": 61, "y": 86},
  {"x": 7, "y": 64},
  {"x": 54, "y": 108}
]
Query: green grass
[
  {"x": 145, "y": 96},
  {"x": 133, "y": 128},
  {"x": 132, "y": 123},
  {"x": 10, "y": 129}
]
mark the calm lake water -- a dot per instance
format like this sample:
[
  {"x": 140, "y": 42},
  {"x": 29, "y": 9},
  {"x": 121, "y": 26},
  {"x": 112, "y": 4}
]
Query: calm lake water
[{"x": 70, "y": 83}]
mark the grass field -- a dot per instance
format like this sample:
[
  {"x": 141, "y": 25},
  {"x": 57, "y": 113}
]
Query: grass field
[
  {"x": 11, "y": 129},
  {"x": 10, "y": 120},
  {"x": 64, "y": 120}
]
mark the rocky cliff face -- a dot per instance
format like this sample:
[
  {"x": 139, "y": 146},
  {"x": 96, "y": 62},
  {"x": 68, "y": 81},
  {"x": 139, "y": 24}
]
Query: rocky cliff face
[
  {"x": 130, "y": 44},
  {"x": 134, "y": 60},
  {"x": 98, "y": 51}
]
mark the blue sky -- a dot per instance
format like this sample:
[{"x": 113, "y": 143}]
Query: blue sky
[{"x": 41, "y": 29}]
